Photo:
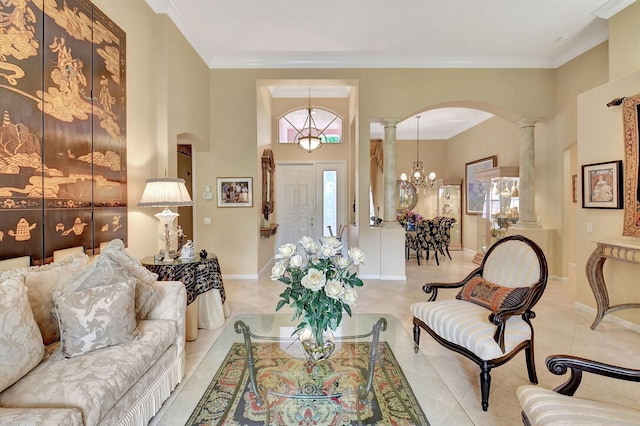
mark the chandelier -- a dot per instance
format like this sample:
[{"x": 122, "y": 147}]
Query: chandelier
[
  {"x": 417, "y": 169},
  {"x": 310, "y": 137}
]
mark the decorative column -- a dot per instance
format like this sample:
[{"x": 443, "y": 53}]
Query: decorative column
[
  {"x": 390, "y": 179},
  {"x": 528, "y": 216}
]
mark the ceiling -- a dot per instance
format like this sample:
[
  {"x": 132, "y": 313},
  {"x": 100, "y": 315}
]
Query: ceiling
[{"x": 381, "y": 34}]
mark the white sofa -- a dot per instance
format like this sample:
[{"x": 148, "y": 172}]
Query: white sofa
[{"x": 70, "y": 381}]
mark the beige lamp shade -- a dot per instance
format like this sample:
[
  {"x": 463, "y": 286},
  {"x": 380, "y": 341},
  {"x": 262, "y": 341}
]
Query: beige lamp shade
[{"x": 165, "y": 192}]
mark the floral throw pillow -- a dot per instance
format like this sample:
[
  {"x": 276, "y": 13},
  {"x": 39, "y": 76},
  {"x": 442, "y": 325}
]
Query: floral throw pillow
[
  {"x": 21, "y": 347},
  {"x": 95, "y": 318},
  {"x": 41, "y": 282},
  {"x": 105, "y": 270},
  {"x": 116, "y": 250},
  {"x": 491, "y": 296}
]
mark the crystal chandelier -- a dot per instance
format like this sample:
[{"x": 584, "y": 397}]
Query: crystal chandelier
[{"x": 417, "y": 169}]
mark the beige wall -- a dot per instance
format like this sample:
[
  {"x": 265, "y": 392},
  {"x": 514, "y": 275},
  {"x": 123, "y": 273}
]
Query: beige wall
[
  {"x": 495, "y": 136},
  {"x": 167, "y": 95},
  {"x": 601, "y": 138},
  {"x": 624, "y": 41},
  {"x": 582, "y": 73}
]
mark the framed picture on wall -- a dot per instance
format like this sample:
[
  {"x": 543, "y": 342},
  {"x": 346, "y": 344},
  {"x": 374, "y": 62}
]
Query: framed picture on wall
[
  {"x": 235, "y": 192},
  {"x": 475, "y": 190},
  {"x": 602, "y": 185}
]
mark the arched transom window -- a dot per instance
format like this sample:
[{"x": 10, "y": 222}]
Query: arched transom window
[{"x": 294, "y": 121}]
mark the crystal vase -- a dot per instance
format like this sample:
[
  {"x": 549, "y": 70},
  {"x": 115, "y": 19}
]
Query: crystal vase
[{"x": 318, "y": 344}]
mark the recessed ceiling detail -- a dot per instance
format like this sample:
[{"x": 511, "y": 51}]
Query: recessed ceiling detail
[{"x": 378, "y": 34}]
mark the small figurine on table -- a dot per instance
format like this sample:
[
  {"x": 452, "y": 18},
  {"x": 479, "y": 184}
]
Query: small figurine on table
[{"x": 188, "y": 251}]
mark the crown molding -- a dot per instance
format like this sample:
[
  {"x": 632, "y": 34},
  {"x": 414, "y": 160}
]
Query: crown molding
[
  {"x": 168, "y": 7},
  {"x": 611, "y": 7},
  {"x": 374, "y": 62},
  {"x": 577, "y": 50}
]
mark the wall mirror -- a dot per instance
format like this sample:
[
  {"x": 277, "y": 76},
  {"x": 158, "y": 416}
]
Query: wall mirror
[
  {"x": 268, "y": 168},
  {"x": 407, "y": 195},
  {"x": 631, "y": 113}
]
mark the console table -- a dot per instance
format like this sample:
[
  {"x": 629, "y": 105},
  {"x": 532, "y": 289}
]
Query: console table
[
  {"x": 609, "y": 248},
  {"x": 205, "y": 291}
]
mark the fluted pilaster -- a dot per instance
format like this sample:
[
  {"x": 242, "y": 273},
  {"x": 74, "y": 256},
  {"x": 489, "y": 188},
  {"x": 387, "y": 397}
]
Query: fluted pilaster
[
  {"x": 528, "y": 216},
  {"x": 389, "y": 155}
]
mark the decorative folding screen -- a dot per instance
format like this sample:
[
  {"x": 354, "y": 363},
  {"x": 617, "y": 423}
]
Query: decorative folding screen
[{"x": 63, "y": 135}]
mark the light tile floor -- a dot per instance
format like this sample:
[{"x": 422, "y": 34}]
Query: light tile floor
[{"x": 559, "y": 328}]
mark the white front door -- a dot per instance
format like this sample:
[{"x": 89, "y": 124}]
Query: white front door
[
  {"x": 310, "y": 198},
  {"x": 295, "y": 197}
]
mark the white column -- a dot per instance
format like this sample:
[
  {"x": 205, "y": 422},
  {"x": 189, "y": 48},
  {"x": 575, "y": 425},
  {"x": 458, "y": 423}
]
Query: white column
[
  {"x": 390, "y": 179},
  {"x": 527, "y": 208}
]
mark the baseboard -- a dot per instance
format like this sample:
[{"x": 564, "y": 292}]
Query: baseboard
[
  {"x": 369, "y": 277},
  {"x": 557, "y": 278},
  {"x": 621, "y": 322},
  {"x": 240, "y": 277},
  {"x": 393, "y": 277}
]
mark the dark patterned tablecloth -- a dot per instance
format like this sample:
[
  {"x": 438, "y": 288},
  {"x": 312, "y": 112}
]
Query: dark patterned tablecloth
[{"x": 197, "y": 275}]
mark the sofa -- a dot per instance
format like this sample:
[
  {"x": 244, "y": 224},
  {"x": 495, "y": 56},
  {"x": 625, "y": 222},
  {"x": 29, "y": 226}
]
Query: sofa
[{"x": 89, "y": 343}]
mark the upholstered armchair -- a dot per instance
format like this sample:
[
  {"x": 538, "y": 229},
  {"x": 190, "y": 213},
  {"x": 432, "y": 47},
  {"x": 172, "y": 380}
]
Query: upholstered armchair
[
  {"x": 489, "y": 321},
  {"x": 558, "y": 407}
]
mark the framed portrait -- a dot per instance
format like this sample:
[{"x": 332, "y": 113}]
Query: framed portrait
[
  {"x": 235, "y": 192},
  {"x": 602, "y": 185},
  {"x": 475, "y": 190}
]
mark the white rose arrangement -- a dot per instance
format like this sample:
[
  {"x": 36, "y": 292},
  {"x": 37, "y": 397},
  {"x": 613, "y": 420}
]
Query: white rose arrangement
[{"x": 320, "y": 282}]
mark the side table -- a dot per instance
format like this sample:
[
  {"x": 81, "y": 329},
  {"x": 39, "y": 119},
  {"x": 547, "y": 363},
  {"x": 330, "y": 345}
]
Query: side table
[
  {"x": 203, "y": 281},
  {"x": 614, "y": 249}
]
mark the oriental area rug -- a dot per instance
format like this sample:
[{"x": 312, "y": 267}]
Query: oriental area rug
[{"x": 324, "y": 393}]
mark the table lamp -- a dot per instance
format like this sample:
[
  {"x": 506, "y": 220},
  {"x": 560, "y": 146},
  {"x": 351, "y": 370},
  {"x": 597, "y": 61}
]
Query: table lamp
[{"x": 165, "y": 192}]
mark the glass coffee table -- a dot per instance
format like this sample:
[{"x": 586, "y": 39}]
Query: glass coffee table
[{"x": 277, "y": 384}]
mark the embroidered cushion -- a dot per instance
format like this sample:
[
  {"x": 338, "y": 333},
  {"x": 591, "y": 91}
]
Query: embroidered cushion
[
  {"x": 21, "y": 347},
  {"x": 41, "y": 282},
  {"x": 105, "y": 270},
  {"x": 95, "y": 318},
  {"x": 116, "y": 250},
  {"x": 491, "y": 296}
]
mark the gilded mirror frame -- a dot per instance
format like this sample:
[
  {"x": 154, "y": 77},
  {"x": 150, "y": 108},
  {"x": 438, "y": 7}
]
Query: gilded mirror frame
[
  {"x": 407, "y": 196},
  {"x": 268, "y": 168},
  {"x": 631, "y": 114}
]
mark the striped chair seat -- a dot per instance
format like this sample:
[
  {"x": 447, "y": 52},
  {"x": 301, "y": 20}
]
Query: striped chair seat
[
  {"x": 467, "y": 325},
  {"x": 489, "y": 321},
  {"x": 545, "y": 407}
]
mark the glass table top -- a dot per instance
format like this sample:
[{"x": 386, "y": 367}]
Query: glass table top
[{"x": 436, "y": 400}]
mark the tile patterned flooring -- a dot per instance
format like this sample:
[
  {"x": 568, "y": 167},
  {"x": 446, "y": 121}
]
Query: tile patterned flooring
[{"x": 560, "y": 328}]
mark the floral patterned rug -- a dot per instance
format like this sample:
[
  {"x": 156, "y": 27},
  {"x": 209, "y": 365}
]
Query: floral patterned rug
[{"x": 324, "y": 392}]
